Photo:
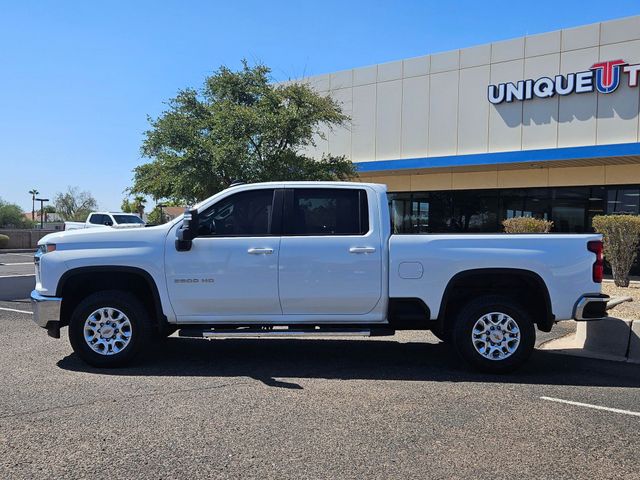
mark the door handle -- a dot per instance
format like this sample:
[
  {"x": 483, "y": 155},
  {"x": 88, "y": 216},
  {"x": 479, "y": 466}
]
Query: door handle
[
  {"x": 260, "y": 251},
  {"x": 362, "y": 250}
]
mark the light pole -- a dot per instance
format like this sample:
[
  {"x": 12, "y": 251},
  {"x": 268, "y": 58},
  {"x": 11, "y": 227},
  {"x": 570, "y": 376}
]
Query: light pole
[
  {"x": 42, "y": 200},
  {"x": 33, "y": 193}
]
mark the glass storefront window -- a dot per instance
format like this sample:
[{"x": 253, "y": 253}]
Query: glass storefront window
[
  {"x": 571, "y": 208},
  {"x": 400, "y": 210},
  {"x": 521, "y": 202},
  {"x": 440, "y": 211},
  {"x": 475, "y": 211},
  {"x": 623, "y": 200}
]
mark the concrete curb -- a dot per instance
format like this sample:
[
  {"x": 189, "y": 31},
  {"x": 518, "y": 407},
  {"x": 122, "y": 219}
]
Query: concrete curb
[
  {"x": 18, "y": 250},
  {"x": 16, "y": 287},
  {"x": 609, "y": 339},
  {"x": 634, "y": 343}
]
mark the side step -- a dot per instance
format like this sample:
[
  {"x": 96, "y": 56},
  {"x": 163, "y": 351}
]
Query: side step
[{"x": 284, "y": 331}]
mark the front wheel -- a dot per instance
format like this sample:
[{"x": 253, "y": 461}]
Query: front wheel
[
  {"x": 494, "y": 334},
  {"x": 109, "y": 328}
]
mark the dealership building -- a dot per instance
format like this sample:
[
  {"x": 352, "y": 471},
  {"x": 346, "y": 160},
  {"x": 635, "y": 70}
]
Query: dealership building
[{"x": 544, "y": 125}]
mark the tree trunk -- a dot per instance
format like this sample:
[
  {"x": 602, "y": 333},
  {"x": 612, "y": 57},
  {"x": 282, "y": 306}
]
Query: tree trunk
[{"x": 620, "y": 276}]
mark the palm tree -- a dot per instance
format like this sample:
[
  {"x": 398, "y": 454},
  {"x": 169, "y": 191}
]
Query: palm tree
[
  {"x": 138, "y": 204},
  {"x": 33, "y": 193}
]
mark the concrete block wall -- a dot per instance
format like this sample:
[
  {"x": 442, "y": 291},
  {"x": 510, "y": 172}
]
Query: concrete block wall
[{"x": 24, "y": 238}]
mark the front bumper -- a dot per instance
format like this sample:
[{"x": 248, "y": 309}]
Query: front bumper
[
  {"x": 591, "y": 307},
  {"x": 46, "y": 312}
]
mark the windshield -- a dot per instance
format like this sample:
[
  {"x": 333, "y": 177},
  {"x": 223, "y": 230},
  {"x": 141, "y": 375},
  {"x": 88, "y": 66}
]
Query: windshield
[{"x": 120, "y": 219}]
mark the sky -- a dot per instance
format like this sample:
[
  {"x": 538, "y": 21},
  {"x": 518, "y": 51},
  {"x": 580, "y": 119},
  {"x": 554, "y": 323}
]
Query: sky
[{"x": 78, "y": 80}]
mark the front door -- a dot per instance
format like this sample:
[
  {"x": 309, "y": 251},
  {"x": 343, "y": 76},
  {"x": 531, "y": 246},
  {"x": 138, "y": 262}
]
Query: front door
[
  {"x": 330, "y": 258},
  {"x": 232, "y": 267}
]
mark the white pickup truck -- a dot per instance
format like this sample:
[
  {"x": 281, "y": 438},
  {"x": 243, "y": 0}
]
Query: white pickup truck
[
  {"x": 313, "y": 259},
  {"x": 107, "y": 219}
]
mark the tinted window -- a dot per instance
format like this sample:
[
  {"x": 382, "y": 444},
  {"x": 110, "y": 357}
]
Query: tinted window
[
  {"x": 475, "y": 211},
  {"x": 246, "y": 213},
  {"x": 120, "y": 219},
  {"x": 329, "y": 212},
  {"x": 97, "y": 219}
]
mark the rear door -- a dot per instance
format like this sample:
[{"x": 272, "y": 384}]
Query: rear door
[{"x": 330, "y": 256}]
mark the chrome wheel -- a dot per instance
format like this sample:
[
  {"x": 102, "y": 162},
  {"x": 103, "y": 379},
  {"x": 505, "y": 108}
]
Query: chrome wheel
[
  {"x": 107, "y": 331},
  {"x": 496, "y": 336}
]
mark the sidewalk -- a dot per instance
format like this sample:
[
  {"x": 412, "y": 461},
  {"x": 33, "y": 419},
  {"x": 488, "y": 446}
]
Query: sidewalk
[{"x": 613, "y": 338}]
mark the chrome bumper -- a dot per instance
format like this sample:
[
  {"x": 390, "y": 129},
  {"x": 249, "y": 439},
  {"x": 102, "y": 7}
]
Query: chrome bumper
[
  {"x": 591, "y": 307},
  {"x": 46, "y": 310}
]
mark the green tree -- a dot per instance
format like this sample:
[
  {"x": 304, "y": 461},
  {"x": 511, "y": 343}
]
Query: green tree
[
  {"x": 74, "y": 204},
  {"x": 126, "y": 206},
  {"x": 238, "y": 126},
  {"x": 47, "y": 210},
  {"x": 136, "y": 205},
  {"x": 11, "y": 216},
  {"x": 154, "y": 217}
]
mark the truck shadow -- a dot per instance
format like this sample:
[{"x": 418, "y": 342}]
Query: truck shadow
[{"x": 267, "y": 360}]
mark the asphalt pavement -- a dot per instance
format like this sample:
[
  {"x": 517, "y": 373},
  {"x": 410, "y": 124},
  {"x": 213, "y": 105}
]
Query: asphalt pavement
[
  {"x": 16, "y": 264},
  {"x": 17, "y": 275},
  {"x": 389, "y": 407}
]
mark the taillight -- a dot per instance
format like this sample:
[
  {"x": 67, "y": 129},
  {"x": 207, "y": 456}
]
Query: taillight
[{"x": 595, "y": 246}]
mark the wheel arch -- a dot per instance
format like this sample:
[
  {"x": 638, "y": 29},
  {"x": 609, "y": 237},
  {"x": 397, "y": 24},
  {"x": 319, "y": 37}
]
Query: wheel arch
[
  {"x": 466, "y": 284},
  {"x": 78, "y": 282}
]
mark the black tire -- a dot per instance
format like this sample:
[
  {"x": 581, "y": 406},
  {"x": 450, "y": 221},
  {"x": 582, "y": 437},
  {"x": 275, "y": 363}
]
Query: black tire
[
  {"x": 140, "y": 329},
  {"x": 464, "y": 339}
]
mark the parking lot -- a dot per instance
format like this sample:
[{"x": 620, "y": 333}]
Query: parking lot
[{"x": 394, "y": 407}]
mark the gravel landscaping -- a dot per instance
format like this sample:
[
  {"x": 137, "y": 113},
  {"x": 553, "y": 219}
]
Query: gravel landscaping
[{"x": 628, "y": 310}]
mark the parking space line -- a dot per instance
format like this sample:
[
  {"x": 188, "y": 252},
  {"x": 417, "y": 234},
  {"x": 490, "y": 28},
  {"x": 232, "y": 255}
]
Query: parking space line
[
  {"x": 17, "y": 263},
  {"x": 588, "y": 405},
  {"x": 14, "y": 310},
  {"x": 20, "y": 275}
]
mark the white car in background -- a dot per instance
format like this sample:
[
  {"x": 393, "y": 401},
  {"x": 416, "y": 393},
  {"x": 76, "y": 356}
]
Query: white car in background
[{"x": 107, "y": 219}]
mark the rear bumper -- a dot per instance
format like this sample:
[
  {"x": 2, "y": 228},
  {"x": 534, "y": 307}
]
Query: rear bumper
[
  {"x": 46, "y": 311},
  {"x": 591, "y": 307}
]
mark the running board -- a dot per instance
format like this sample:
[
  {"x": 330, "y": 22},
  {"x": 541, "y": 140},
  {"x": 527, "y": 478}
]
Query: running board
[{"x": 290, "y": 332}]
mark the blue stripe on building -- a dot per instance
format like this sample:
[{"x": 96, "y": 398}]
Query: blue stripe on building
[{"x": 499, "y": 158}]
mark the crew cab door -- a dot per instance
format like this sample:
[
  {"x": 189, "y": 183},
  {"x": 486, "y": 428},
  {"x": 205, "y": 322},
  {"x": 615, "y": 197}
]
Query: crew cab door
[
  {"x": 231, "y": 269},
  {"x": 330, "y": 256}
]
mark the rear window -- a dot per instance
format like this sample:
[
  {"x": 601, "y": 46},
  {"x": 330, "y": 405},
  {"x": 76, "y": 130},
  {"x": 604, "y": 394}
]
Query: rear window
[
  {"x": 97, "y": 219},
  {"x": 327, "y": 211},
  {"x": 120, "y": 219}
]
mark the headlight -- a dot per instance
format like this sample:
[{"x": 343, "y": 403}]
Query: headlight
[{"x": 46, "y": 248}]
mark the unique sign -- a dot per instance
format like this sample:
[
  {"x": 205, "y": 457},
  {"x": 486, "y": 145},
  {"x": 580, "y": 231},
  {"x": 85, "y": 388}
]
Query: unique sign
[{"x": 602, "y": 76}]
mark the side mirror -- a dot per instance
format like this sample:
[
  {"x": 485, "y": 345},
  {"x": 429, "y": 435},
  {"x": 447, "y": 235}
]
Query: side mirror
[
  {"x": 108, "y": 223},
  {"x": 188, "y": 231}
]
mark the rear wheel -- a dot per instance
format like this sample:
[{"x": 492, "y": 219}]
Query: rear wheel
[
  {"x": 494, "y": 334},
  {"x": 109, "y": 328}
]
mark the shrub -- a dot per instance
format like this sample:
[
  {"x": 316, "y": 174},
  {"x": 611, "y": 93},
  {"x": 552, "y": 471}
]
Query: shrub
[
  {"x": 4, "y": 241},
  {"x": 621, "y": 235},
  {"x": 526, "y": 225}
]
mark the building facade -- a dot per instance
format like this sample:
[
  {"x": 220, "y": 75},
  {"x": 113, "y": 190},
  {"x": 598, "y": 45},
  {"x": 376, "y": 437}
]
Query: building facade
[{"x": 545, "y": 125}]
